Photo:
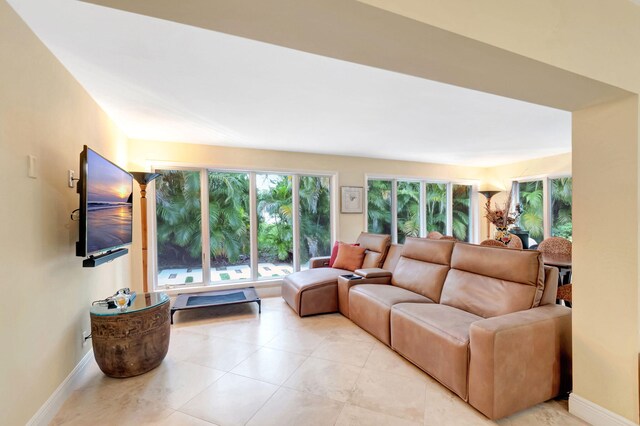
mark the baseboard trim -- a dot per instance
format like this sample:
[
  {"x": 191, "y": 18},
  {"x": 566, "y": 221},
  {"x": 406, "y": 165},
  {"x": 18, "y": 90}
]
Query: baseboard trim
[
  {"x": 594, "y": 414},
  {"x": 50, "y": 408}
]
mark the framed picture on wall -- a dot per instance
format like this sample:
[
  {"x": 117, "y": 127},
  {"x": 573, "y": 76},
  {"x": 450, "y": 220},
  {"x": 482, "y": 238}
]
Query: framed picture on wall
[{"x": 352, "y": 199}]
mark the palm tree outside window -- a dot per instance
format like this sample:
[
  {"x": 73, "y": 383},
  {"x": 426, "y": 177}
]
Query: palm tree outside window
[
  {"x": 546, "y": 217},
  {"x": 190, "y": 250},
  {"x": 419, "y": 207}
]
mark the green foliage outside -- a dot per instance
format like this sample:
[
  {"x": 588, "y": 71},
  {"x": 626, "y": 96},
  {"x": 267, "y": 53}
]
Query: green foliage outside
[
  {"x": 561, "y": 200},
  {"x": 178, "y": 217},
  {"x": 275, "y": 225},
  {"x": 275, "y": 218},
  {"x": 461, "y": 217},
  {"x": 229, "y": 228},
  {"x": 379, "y": 206},
  {"x": 408, "y": 210},
  {"x": 408, "y": 204},
  {"x": 437, "y": 207},
  {"x": 315, "y": 217},
  {"x": 531, "y": 203}
]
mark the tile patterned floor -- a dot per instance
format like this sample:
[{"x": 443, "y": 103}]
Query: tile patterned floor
[{"x": 229, "y": 366}]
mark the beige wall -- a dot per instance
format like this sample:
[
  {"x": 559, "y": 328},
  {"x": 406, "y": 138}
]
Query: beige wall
[
  {"x": 598, "y": 39},
  {"x": 47, "y": 293},
  {"x": 500, "y": 177},
  {"x": 605, "y": 338}
]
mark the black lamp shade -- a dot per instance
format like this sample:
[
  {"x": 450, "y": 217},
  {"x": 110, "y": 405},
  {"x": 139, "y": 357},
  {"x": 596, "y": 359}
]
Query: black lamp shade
[
  {"x": 488, "y": 194},
  {"x": 143, "y": 178}
]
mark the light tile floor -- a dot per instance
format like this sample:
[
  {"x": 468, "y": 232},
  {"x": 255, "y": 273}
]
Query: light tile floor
[{"x": 230, "y": 366}]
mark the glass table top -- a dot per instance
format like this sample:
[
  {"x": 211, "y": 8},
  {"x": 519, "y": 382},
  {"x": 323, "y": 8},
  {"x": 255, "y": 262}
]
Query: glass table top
[{"x": 140, "y": 303}]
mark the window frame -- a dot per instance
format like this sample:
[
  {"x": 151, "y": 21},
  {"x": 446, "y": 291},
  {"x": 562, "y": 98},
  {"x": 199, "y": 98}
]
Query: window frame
[
  {"x": 546, "y": 196},
  {"x": 474, "y": 210},
  {"x": 203, "y": 169}
]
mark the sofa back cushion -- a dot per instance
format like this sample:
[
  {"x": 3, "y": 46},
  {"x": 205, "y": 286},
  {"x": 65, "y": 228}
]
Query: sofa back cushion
[
  {"x": 377, "y": 246},
  {"x": 490, "y": 281},
  {"x": 393, "y": 255},
  {"x": 550, "y": 286},
  {"x": 423, "y": 266}
]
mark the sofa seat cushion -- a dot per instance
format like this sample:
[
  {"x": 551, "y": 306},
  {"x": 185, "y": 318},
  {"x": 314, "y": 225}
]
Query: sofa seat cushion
[
  {"x": 314, "y": 291},
  {"x": 370, "y": 307},
  {"x": 435, "y": 338}
]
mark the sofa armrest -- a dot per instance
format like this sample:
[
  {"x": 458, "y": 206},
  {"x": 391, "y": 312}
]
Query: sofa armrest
[
  {"x": 373, "y": 272},
  {"x": 519, "y": 359},
  {"x": 319, "y": 262},
  {"x": 345, "y": 284}
]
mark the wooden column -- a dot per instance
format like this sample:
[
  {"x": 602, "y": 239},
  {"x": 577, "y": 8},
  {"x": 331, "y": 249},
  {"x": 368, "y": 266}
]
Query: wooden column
[
  {"x": 143, "y": 233},
  {"x": 143, "y": 180}
]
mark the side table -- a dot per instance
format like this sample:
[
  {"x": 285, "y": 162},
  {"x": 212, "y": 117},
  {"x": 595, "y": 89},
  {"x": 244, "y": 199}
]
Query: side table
[{"x": 131, "y": 342}]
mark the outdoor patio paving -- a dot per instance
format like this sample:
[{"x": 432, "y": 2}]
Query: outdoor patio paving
[{"x": 221, "y": 274}]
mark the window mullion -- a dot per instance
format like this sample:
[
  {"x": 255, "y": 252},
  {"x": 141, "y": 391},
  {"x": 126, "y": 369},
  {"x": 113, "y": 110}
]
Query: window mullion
[
  {"x": 546, "y": 208},
  {"x": 253, "y": 225},
  {"x": 204, "y": 210},
  {"x": 394, "y": 211},
  {"x": 333, "y": 208},
  {"x": 474, "y": 212},
  {"x": 423, "y": 209},
  {"x": 295, "y": 192},
  {"x": 365, "y": 209},
  {"x": 449, "y": 208}
]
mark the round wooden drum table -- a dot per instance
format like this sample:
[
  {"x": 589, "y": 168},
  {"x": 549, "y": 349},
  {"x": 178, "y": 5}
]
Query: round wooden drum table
[{"x": 131, "y": 342}]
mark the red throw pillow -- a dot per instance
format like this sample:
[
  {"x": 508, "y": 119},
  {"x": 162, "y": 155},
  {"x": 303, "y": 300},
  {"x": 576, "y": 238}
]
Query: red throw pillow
[
  {"x": 350, "y": 257},
  {"x": 334, "y": 252}
]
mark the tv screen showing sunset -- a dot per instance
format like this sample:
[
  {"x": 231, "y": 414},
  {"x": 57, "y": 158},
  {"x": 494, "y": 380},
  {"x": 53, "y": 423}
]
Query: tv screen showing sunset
[{"x": 109, "y": 204}]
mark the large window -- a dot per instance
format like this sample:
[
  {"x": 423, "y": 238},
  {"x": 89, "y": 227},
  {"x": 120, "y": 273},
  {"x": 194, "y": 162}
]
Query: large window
[
  {"x": 229, "y": 228},
  {"x": 546, "y": 207},
  {"x": 215, "y": 226},
  {"x": 379, "y": 206},
  {"x": 461, "y": 222},
  {"x": 412, "y": 208},
  {"x": 436, "y": 207},
  {"x": 315, "y": 218},
  {"x": 178, "y": 231},
  {"x": 531, "y": 199},
  {"x": 561, "y": 196},
  {"x": 275, "y": 225},
  {"x": 408, "y": 210}
]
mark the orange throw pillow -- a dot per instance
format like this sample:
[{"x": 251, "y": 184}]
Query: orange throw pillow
[
  {"x": 349, "y": 257},
  {"x": 334, "y": 252}
]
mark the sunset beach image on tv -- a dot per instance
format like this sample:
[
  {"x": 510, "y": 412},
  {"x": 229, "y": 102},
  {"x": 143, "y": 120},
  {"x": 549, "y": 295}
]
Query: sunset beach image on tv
[{"x": 109, "y": 204}]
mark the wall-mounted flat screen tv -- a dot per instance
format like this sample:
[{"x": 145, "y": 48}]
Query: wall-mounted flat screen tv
[{"x": 106, "y": 205}]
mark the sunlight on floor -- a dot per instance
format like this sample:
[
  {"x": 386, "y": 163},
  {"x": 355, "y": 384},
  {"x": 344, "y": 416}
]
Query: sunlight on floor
[{"x": 231, "y": 366}]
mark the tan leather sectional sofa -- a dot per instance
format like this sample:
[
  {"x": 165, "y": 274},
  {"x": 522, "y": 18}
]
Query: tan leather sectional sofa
[
  {"x": 480, "y": 320},
  {"x": 314, "y": 291}
]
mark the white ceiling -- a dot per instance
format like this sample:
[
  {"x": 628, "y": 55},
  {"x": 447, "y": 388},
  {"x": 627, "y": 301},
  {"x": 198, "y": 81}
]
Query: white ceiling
[{"x": 165, "y": 81}]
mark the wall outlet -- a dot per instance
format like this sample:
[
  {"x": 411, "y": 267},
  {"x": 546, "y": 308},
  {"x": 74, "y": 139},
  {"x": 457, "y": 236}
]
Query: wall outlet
[
  {"x": 70, "y": 178},
  {"x": 85, "y": 338},
  {"x": 33, "y": 167}
]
